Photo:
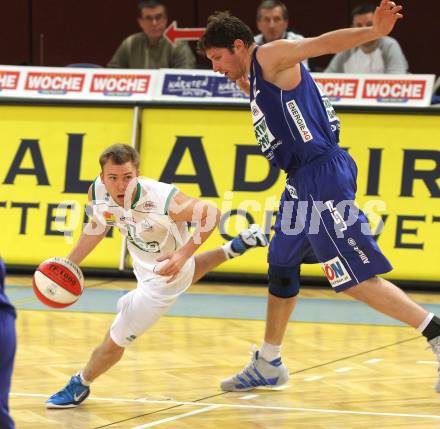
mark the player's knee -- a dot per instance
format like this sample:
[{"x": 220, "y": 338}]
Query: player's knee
[{"x": 283, "y": 281}]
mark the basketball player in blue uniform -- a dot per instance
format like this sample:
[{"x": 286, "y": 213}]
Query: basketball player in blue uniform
[
  {"x": 7, "y": 350},
  {"x": 298, "y": 131}
]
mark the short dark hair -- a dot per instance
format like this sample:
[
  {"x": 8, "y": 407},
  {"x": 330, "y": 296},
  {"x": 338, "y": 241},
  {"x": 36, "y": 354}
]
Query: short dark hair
[
  {"x": 363, "y": 9},
  {"x": 150, "y": 4},
  {"x": 119, "y": 154},
  {"x": 272, "y": 4},
  {"x": 222, "y": 30}
]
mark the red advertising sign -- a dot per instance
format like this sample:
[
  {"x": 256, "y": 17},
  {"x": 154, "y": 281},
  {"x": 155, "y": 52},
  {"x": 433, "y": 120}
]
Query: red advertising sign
[
  {"x": 59, "y": 82},
  {"x": 338, "y": 88},
  {"x": 9, "y": 79},
  {"x": 126, "y": 83},
  {"x": 394, "y": 89}
]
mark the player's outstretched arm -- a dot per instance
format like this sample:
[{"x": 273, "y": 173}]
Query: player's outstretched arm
[
  {"x": 91, "y": 236},
  {"x": 283, "y": 54},
  {"x": 204, "y": 215}
]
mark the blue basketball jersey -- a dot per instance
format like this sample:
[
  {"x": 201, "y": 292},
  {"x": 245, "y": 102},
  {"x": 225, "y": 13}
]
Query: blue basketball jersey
[
  {"x": 5, "y": 305},
  {"x": 292, "y": 127}
]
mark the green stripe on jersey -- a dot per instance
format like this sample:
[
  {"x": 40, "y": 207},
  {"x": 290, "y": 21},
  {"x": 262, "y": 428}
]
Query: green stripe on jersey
[{"x": 167, "y": 202}]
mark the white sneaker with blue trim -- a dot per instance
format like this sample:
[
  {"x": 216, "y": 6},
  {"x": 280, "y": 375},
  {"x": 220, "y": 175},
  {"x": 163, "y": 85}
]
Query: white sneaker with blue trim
[{"x": 259, "y": 373}]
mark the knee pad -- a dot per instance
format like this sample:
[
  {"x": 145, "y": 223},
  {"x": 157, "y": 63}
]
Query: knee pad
[{"x": 283, "y": 281}]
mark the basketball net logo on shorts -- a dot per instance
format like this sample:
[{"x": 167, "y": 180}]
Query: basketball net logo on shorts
[{"x": 335, "y": 272}]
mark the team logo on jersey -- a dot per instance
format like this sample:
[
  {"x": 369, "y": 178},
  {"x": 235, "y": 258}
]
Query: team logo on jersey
[
  {"x": 263, "y": 135},
  {"x": 146, "y": 226},
  {"x": 110, "y": 218},
  {"x": 299, "y": 121},
  {"x": 335, "y": 272},
  {"x": 257, "y": 114},
  {"x": 149, "y": 205},
  {"x": 262, "y": 132}
]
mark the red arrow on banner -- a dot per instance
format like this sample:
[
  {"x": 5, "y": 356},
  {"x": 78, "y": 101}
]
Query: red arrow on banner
[{"x": 172, "y": 33}]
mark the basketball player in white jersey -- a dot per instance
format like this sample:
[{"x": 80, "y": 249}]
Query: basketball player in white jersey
[{"x": 154, "y": 217}]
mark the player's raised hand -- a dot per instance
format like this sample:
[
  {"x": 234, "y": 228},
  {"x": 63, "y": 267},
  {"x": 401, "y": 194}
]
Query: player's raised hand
[{"x": 386, "y": 16}]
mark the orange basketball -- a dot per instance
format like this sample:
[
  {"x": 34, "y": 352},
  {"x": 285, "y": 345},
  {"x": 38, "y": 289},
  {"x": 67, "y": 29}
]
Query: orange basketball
[{"x": 58, "y": 282}]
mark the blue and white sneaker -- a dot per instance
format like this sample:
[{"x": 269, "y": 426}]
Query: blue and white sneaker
[
  {"x": 259, "y": 373},
  {"x": 71, "y": 395},
  {"x": 247, "y": 239}
]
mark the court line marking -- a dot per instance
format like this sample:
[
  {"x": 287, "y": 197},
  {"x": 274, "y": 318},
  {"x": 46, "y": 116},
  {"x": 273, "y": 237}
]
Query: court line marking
[
  {"x": 248, "y": 397},
  {"x": 313, "y": 378},
  {"x": 179, "y": 416},
  {"x": 242, "y": 406},
  {"x": 343, "y": 369},
  {"x": 374, "y": 360},
  {"x": 428, "y": 362}
]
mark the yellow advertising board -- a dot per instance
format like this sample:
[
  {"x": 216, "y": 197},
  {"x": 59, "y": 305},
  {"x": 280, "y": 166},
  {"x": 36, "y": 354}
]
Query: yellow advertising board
[
  {"x": 49, "y": 158},
  {"x": 212, "y": 154}
]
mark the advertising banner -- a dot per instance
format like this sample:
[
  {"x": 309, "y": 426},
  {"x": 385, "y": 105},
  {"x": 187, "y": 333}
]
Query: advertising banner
[
  {"x": 197, "y": 85},
  {"x": 403, "y": 90},
  {"x": 49, "y": 159},
  {"x": 200, "y": 86},
  {"x": 213, "y": 155},
  {"x": 79, "y": 84}
]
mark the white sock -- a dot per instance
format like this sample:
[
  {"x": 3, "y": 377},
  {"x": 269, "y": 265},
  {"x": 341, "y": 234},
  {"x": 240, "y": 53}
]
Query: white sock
[
  {"x": 425, "y": 322},
  {"x": 228, "y": 250},
  {"x": 83, "y": 380},
  {"x": 270, "y": 352}
]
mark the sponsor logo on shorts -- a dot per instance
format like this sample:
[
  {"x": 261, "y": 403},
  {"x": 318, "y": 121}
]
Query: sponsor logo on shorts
[
  {"x": 131, "y": 338},
  {"x": 299, "y": 121},
  {"x": 337, "y": 217},
  {"x": 335, "y": 272},
  {"x": 359, "y": 251},
  {"x": 292, "y": 191}
]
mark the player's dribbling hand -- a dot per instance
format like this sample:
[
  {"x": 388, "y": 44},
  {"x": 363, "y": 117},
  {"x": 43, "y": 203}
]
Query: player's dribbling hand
[
  {"x": 170, "y": 265},
  {"x": 385, "y": 16}
]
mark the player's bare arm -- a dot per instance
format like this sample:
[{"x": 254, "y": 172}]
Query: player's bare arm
[
  {"x": 206, "y": 216},
  {"x": 282, "y": 55},
  {"x": 89, "y": 239}
]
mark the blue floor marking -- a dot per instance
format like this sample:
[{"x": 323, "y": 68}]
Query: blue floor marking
[{"x": 222, "y": 306}]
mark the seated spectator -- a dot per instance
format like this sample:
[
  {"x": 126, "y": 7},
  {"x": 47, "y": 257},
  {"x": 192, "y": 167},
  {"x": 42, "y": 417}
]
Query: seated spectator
[
  {"x": 149, "y": 49},
  {"x": 383, "y": 55},
  {"x": 272, "y": 22}
]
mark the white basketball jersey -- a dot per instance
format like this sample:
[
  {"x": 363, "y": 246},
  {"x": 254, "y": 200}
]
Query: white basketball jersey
[{"x": 150, "y": 232}]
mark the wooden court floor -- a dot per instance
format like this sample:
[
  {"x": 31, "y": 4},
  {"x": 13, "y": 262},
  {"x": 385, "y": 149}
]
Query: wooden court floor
[{"x": 342, "y": 375}]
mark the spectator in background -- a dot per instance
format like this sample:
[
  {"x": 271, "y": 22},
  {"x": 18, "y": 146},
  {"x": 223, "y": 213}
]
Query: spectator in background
[
  {"x": 272, "y": 22},
  {"x": 383, "y": 55},
  {"x": 149, "y": 49},
  {"x": 7, "y": 351}
]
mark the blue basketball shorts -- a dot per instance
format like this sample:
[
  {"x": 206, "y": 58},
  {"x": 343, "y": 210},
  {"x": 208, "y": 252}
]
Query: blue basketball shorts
[
  {"x": 7, "y": 348},
  {"x": 318, "y": 222}
]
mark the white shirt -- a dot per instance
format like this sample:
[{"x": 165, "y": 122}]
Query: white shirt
[{"x": 360, "y": 62}]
